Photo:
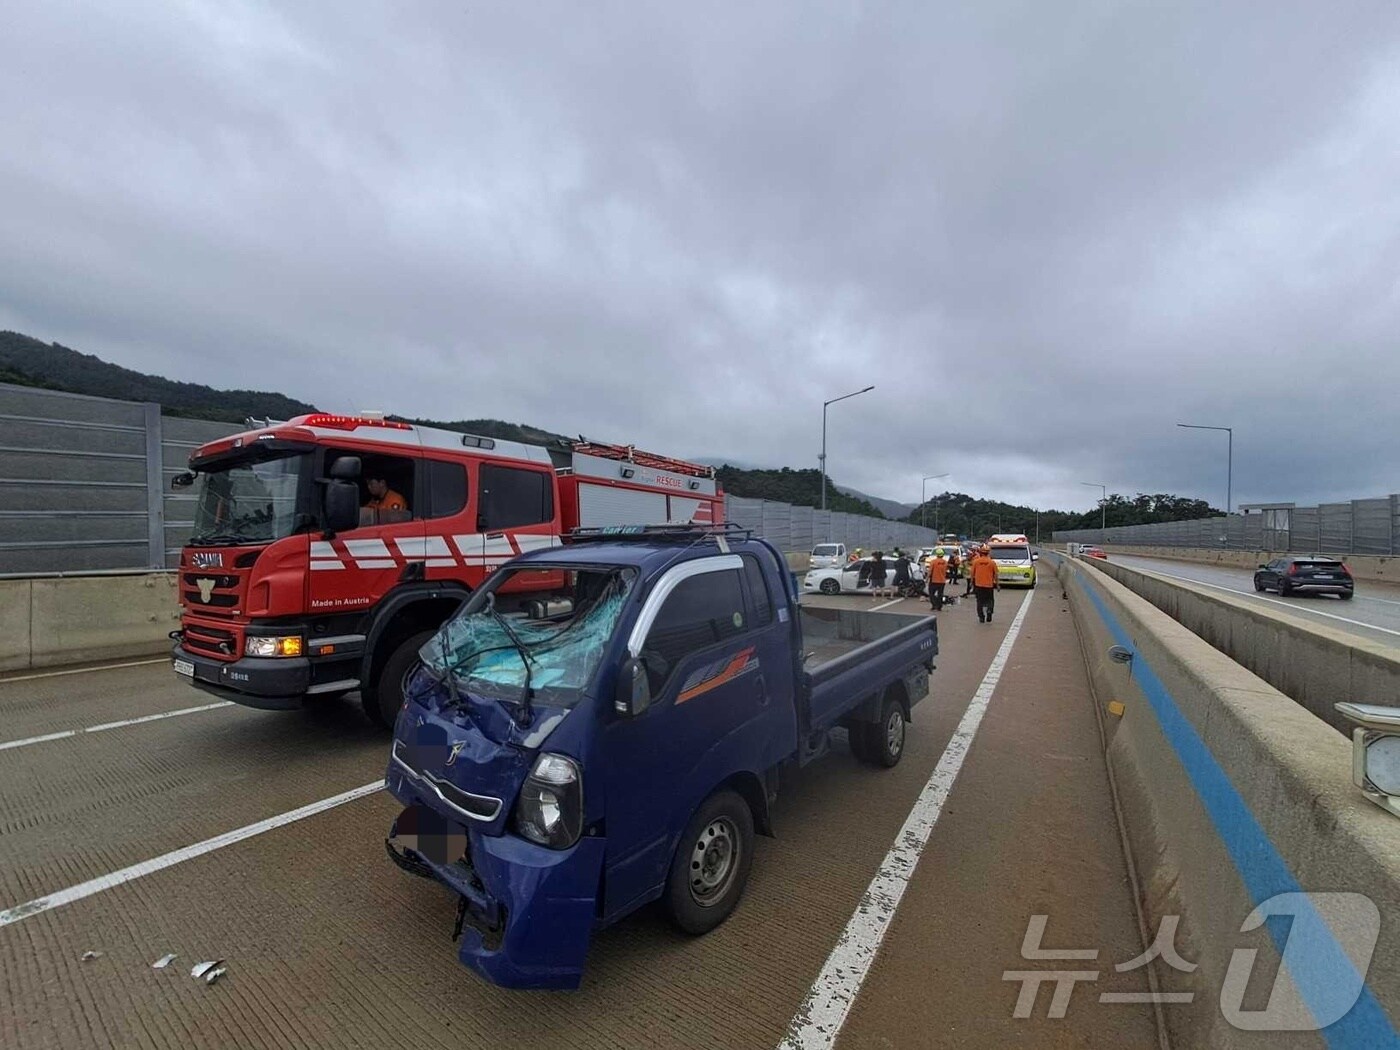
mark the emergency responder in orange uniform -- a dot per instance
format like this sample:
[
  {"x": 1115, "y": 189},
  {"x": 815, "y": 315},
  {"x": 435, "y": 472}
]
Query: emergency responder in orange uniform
[
  {"x": 985, "y": 584},
  {"x": 937, "y": 578},
  {"x": 382, "y": 497}
]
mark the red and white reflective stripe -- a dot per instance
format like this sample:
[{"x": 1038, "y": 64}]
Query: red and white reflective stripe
[
  {"x": 323, "y": 556},
  {"x": 370, "y": 554},
  {"x": 432, "y": 549}
]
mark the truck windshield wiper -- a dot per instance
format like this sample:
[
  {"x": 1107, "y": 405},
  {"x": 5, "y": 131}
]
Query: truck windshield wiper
[
  {"x": 218, "y": 539},
  {"x": 528, "y": 691}
]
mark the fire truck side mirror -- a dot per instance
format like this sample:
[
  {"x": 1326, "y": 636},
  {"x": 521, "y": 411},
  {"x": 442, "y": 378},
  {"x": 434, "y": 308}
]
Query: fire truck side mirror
[
  {"x": 342, "y": 506},
  {"x": 346, "y": 468},
  {"x": 183, "y": 480}
]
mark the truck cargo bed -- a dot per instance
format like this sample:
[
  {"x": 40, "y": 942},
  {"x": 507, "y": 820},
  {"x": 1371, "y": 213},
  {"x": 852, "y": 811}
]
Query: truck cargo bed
[{"x": 850, "y": 656}]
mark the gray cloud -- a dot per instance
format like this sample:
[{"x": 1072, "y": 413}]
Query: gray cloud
[{"x": 1046, "y": 234}]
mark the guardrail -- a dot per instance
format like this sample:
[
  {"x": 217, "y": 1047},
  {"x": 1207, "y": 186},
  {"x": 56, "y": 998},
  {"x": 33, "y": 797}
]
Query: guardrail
[{"x": 1236, "y": 803}]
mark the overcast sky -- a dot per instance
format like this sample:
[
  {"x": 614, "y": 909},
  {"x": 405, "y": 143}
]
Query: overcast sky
[{"x": 1045, "y": 232}]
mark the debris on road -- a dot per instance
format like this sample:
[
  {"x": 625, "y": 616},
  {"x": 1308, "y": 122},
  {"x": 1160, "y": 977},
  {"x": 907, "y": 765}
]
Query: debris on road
[
  {"x": 163, "y": 962},
  {"x": 89, "y": 956},
  {"x": 200, "y": 969},
  {"x": 214, "y": 974}
]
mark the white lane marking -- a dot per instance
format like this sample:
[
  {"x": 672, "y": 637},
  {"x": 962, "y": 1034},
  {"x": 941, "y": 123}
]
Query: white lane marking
[
  {"x": 179, "y": 856},
  {"x": 1264, "y": 598},
  {"x": 84, "y": 670},
  {"x": 9, "y": 745},
  {"x": 887, "y": 605},
  {"x": 818, "y": 1020}
]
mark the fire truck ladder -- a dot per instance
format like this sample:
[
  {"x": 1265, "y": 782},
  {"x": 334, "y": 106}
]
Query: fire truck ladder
[{"x": 631, "y": 454}]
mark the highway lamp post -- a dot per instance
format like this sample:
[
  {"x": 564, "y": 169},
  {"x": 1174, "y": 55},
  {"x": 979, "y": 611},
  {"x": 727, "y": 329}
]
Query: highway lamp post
[
  {"x": 923, "y": 499},
  {"x": 1103, "y": 506},
  {"x": 1229, "y": 459},
  {"x": 825, "y": 405}
]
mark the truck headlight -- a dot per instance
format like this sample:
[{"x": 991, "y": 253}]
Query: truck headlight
[
  {"x": 272, "y": 645},
  {"x": 550, "y": 808}
]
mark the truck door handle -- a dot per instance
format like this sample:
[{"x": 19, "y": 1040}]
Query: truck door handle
[{"x": 762, "y": 690}]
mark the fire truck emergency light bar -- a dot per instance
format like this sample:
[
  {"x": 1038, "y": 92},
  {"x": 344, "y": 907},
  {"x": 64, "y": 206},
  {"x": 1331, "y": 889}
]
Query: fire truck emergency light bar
[{"x": 332, "y": 422}]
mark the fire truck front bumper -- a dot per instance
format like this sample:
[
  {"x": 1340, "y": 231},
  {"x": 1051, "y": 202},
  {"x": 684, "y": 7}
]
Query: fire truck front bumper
[{"x": 273, "y": 684}]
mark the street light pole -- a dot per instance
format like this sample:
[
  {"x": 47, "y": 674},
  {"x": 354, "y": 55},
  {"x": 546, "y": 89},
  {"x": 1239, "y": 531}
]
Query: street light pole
[
  {"x": 1103, "y": 504},
  {"x": 923, "y": 498},
  {"x": 823, "y": 455},
  {"x": 1229, "y": 460}
]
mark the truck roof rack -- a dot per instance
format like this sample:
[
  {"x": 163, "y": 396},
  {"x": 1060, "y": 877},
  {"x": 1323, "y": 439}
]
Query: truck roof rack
[
  {"x": 651, "y": 533},
  {"x": 632, "y": 454}
]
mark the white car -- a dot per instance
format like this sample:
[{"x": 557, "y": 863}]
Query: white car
[
  {"x": 849, "y": 579},
  {"x": 828, "y": 555}
]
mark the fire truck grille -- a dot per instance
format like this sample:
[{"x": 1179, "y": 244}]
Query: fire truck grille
[{"x": 212, "y": 640}]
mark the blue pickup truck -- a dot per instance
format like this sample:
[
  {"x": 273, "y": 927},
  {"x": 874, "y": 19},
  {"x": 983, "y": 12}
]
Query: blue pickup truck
[{"x": 564, "y": 760}]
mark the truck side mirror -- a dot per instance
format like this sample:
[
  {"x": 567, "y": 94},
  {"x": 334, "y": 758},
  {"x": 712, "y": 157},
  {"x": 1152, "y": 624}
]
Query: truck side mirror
[
  {"x": 183, "y": 480},
  {"x": 633, "y": 695},
  {"x": 342, "y": 506},
  {"x": 346, "y": 468},
  {"x": 1035, "y": 556}
]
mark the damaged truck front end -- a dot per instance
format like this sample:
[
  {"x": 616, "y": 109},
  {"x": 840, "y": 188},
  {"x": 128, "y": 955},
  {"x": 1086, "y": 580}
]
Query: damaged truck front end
[{"x": 488, "y": 759}]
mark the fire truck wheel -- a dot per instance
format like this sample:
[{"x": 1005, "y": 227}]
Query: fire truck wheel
[{"x": 383, "y": 698}]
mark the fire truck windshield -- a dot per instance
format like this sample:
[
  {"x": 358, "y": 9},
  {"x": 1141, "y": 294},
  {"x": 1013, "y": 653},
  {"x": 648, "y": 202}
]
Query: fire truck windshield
[
  {"x": 248, "y": 501},
  {"x": 563, "y": 650}
]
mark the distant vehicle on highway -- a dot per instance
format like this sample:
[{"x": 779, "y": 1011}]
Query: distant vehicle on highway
[
  {"x": 561, "y": 767},
  {"x": 828, "y": 555},
  {"x": 1092, "y": 552},
  {"x": 1305, "y": 575},
  {"x": 853, "y": 578}
]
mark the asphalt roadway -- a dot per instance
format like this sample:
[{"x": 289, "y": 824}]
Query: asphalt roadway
[
  {"x": 325, "y": 943},
  {"x": 1373, "y": 613}
]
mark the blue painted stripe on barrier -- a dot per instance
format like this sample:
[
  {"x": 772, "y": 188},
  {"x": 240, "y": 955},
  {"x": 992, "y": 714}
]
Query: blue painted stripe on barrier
[{"x": 1318, "y": 975}]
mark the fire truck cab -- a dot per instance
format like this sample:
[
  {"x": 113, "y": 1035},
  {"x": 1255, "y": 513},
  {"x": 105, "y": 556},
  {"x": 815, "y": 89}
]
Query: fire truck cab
[{"x": 304, "y": 578}]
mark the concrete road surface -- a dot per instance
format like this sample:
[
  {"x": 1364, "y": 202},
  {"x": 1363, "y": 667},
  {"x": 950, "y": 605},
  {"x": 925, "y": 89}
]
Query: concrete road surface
[
  {"x": 327, "y": 944},
  {"x": 1372, "y": 613}
]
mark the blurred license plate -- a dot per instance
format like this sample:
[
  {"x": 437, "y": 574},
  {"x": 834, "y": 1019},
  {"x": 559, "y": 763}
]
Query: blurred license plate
[
  {"x": 184, "y": 667},
  {"x": 1322, "y": 576}
]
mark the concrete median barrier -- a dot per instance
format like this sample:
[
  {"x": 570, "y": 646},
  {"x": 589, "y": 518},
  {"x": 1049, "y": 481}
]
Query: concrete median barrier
[
  {"x": 1230, "y": 795},
  {"x": 1314, "y": 664},
  {"x": 1362, "y": 566},
  {"x": 51, "y": 621}
]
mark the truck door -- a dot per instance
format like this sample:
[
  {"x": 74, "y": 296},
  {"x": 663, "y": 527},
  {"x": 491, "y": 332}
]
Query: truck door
[
  {"x": 713, "y": 712},
  {"x": 515, "y": 515},
  {"x": 361, "y": 565}
]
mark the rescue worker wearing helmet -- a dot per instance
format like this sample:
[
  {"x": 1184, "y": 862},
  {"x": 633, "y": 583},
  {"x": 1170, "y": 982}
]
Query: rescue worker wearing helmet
[
  {"x": 937, "y": 578},
  {"x": 985, "y": 583}
]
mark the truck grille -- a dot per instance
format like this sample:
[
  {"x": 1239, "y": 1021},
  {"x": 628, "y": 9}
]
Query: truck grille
[
  {"x": 214, "y": 641},
  {"x": 217, "y": 593}
]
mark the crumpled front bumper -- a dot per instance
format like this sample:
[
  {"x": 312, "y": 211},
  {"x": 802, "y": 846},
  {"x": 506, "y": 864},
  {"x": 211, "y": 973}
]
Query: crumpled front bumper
[{"x": 529, "y": 911}]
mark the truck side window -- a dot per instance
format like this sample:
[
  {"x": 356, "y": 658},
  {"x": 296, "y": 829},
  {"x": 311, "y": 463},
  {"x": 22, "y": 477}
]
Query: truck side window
[
  {"x": 758, "y": 591},
  {"x": 511, "y": 497},
  {"x": 447, "y": 489},
  {"x": 701, "y": 611}
]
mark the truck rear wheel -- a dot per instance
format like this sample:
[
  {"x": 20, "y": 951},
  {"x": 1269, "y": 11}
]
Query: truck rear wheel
[
  {"x": 711, "y": 865},
  {"x": 383, "y": 698},
  {"x": 881, "y": 743}
]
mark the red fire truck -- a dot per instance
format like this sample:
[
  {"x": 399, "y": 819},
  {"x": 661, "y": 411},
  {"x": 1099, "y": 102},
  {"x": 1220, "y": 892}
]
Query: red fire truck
[{"x": 327, "y": 549}]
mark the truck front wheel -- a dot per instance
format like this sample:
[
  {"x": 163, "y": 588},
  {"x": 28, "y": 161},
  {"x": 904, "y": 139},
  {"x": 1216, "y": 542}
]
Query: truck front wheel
[
  {"x": 383, "y": 698},
  {"x": 711, "y": 865}
]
